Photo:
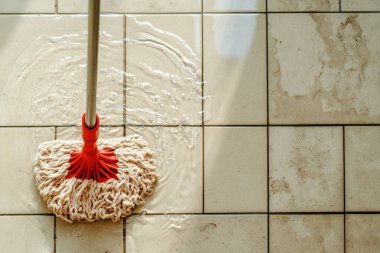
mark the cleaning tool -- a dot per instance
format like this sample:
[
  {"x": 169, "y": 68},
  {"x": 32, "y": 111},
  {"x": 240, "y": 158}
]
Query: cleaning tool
[{"x": 94, "y": 179}]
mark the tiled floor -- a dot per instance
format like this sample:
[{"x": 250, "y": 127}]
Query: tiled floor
[{"x": 284, "y": 157}]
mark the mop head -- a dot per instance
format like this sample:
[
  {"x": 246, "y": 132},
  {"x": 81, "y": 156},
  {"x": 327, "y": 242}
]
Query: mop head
[{"x": 78, "y": 187}]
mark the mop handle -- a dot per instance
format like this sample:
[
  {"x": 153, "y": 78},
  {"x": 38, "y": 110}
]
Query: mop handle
[{"x": 92, "y": 61}]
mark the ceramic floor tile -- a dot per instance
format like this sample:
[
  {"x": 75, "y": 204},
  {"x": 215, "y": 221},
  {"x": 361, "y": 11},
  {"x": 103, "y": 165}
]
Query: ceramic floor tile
[
  {"x": 43, "y": 70},
  {"x": 18, "y": 146},
  {"x": 306, "y": 169},
  {"x": 360, "y": 5},
  {"x": 303, "y": 5},
  {"x": 198, "y": 233},
  {"x": 97, "y": 237},
  {"x": 235, "y": 69},
  {"x": 27, "y": 6},
  {"x": 362, "y": 168},
  {"x": 32, "y": 234},
  {"x": 363, "y": 233},
  {"x": 323, "y": 68},
  {"x": 164, "y": 69},
  {"x": 235, "y": 169},
  {"x": 231, "y": 5},
  {"x": 178, "y": 153},
  {"x": 132, "y": 6},
  {"x": 306, "y": 233}
]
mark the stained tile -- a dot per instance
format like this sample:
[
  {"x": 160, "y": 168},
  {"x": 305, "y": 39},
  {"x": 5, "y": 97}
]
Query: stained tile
[
  {"x": 32, "y": 234},
  {"x": 230, "y": 5},
  {"x": 27, "y": 6},
  {"x": 362, "y": 168},
  {"x": 362, "y": 233},
  {"x": 18, "y": 146},
  {"x": 303, "y": 5},
  {"x": 360, "y": 5},
  {"x": 200, "y": 233},
  {"x": 164, "y": 69},
  {"x": 235, "y": 69},
  {"x": 306, "y": 233},
  {"x": 133, "y": 6},
  {"x": 235, "y": 169},
  {"x": 178, "y": 153},
  {"x": 305, "y": 169},
  {"x": 323, "y": 68},
  {"x": 43, "y": 68},
  {"x": 97, "y": 237}
]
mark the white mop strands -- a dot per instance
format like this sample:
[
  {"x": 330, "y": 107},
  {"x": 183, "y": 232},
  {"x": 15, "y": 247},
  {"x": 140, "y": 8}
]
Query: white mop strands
[{"x": 74, "y": 199}]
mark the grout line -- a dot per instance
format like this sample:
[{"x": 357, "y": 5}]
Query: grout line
[
  {"x": 200, "y": 125},
  {"x": 344, "y": 189},
  {"x": 340, "y": 5},
  {"x": 124, "y": 235},
  {"x": 55, "y": 6},
  {"x": 183, "y": 13},
  {"x": 125, "y": 72},
  {"x": 224, "y": 213},
  {"x": 55, "y": 217},
  {"x": 203, "y": 112},
  {"x": 267, "y": 125},
  {"x": 55, "y": 234}
]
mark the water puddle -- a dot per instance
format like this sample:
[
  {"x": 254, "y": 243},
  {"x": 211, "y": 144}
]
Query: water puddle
[{"x": 161, "y": 85}]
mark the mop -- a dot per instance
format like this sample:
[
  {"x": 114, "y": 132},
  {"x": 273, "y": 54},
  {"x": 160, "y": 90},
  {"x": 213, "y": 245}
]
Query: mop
[{"x": 94, "y": 179}]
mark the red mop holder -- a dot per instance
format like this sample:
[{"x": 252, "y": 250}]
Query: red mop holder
[{"x": 90, "y": 162}]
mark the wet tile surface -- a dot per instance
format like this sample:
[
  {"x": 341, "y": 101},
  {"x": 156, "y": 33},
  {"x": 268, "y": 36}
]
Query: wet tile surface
[
  {"x": 362, "y": 5},
  {"x": 362, "y": 168},
  {"x": 51, "y": 89},
  {"x": 323, "y": 68},
  {"x": 306, "y": 169},
  {"x": 303, "y": 5},
  {"x": 178, "y": 153},
  {"x": 164, "y": 69},
  {"x": 86, "y": 237},
  {"x": 235, "y": 169},
  {"x": 362, "y": 233},
  {"x": 306, "y": 233},
  {"x": 228, "y": 5},
  {"x": 18, "y": 146},
  {"x": 34, "y": 234},
  {"x": 27, "y": 6},
  {"x": 133, "y": 6},
  {"x": 189, "y": 233},
  {"x": 235, "y": 70}
]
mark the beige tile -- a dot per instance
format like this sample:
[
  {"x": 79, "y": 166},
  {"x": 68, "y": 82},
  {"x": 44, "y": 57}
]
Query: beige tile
[
  {"x": 323, "y": 68},
  {"x": 235, "y": 69},
  {"x": 18, "y": 146},
  {"x": 98, "y": 237},
  {"x": 164, "y": 69},
  {"x": 362, "y": 233},
  {"x": 27, "y": 6},
  {"x": 178, "y": 153},
  {"x": 132, "y": 6},
  {"x": 197, "y": 233},
  {"x": 235, "y": 169},
  {"x": 74, "y": 133},
  {"x": 303, "y": 5},
  {"x": 362, "y": 168},
  {"x": 306, "y": 233},
  {"x": 360, "y": 5},
  {"x": 43, "y": 69},
  {"x": 233, "y": 5},
  {"x": 32, "y": 234},
  {"x": 305, "y": 169}
]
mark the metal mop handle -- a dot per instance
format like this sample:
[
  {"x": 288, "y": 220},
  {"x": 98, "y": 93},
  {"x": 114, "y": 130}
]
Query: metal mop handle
[{"x": 92, "y": 61}]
